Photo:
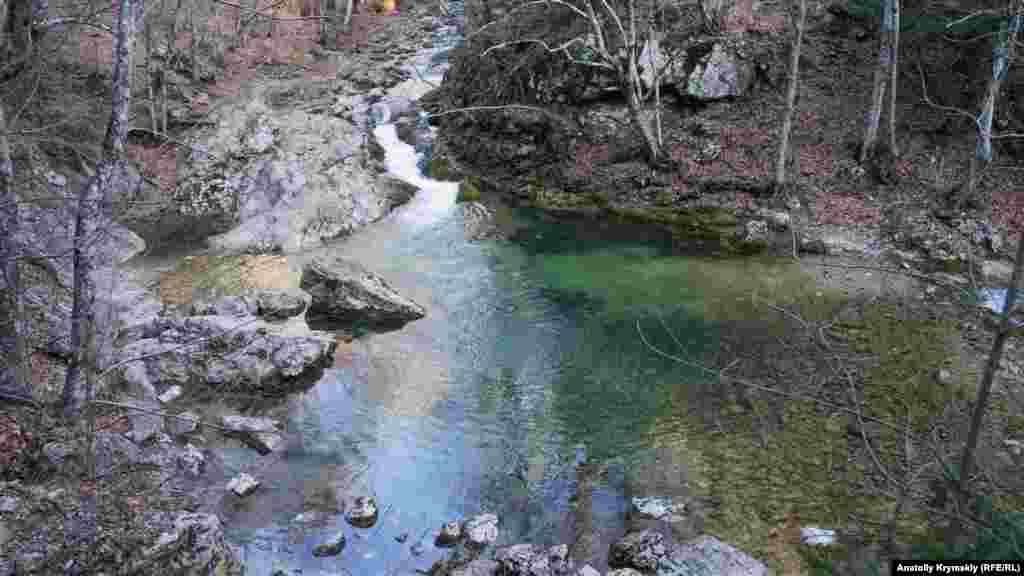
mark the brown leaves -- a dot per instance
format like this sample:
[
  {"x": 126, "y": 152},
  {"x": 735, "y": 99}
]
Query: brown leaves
[
  {"x": 844, "y": 210},
  {"x": 12, "y": 440}
]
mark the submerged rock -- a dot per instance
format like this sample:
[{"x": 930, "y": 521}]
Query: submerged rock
[
  {"x": 261, "y": 434},
  {"x": 362, "y": 512},
  {"x": 346, "y": 294},
  {"x": 331, "y": 547}
]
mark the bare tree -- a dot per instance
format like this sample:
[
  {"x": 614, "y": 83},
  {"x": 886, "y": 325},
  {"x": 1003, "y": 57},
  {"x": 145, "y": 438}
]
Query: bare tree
[
  {"x": 614, "y": 43},
  {"x": 794, "y": 83},
  {"x": 886, "y": 64},
  {"x": 1004, "y": 46},
  {"x": 9, "y": 252}
]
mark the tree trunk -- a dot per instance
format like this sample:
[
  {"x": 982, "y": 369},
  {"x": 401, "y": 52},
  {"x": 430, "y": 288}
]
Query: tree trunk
[
  {"x": 1003, "y": 50},
  {"x": 878, "y": 90},
  {"x": 9, "y": 252},
  {"x": 894, "y": 67},
  {"x": 984, "y": 389},
  {"x": 794, "y": 83}
]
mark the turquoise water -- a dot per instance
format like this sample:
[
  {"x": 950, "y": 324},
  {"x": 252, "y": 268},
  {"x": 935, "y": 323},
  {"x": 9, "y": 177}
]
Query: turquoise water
[{"x": 528, "y": 361}]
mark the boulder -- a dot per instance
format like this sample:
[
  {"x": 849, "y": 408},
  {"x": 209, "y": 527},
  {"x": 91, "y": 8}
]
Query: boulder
[
  {"x": 478, "y": 567},
  {"x": 196, "y": 547},
  {"x": 642, "y": 550},
  {"x": 241, "y": 354},
  {"x": 481, "y": 530},
  {"x": 276, "y": 305},
  {"x": 346, "y": 294},
  {"x": 277, "y": 178},
  {"x": 361, "y": 512},
  {"x": 708, "y": 556},
  {"x": 450, "y": 534},
  {"x": 181, "y": 424},
  {"x": 331, "y": 547},
  {"x": 192, "y": 461},
  {"x": 145, "y": 423},
  {"x": 243, "y": 485},
  {"x": 719, "y": 74},
  {"x": 531, "y": 560},
  {"x": 260, "y": 434}
]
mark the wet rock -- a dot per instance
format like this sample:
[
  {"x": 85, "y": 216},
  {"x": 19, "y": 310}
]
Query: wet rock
[
  {"x": 192, "y": 461},
  {"x": 588, "y": 570},
  {"x": 401, "y": 538},
  {"x": 331, "y": 547},
  {"x": 196, "y": 547},
  {"x": 243, "y": 485},
  {"x": 261, "y": 434},
  {"x": 347, "y": 294},
  {"x": 310, "y": 518},
  {"x": 361, "y": 512},
  {"x": 450, "y": 534},
  {"x": 481, "y": 530},
  {"x": 642, "y": 550}
]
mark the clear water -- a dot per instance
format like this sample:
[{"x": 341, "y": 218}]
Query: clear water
[{"x": 528, "y": 360}]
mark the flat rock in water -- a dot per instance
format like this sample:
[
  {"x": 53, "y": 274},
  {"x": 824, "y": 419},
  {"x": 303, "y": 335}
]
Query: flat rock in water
[
  {"x": 331, "y": 547},
  {"x": 243, "y": 485}
]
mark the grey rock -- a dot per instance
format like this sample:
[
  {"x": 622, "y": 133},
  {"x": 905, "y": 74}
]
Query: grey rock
[
  {"x": 708, "y": 556},
  {"x": 227, "y": 306},
  {"x": 451, "y": 533},
  {"x": 345, "y": 293},
  {"x": 192, "y": 461},
  {"x": 361, "y": 512},
  {"x": 756, "y": 232},
  {"x": 622, "y": 572},
  {"x": 641, "y": 550},
  {"x": 281, "y": 304},
  {"x": 243, "y": 485},
  {"x": 57, "y": 452},
  {"x": 195, "y": 547},
  {"x": 523, "y": 560},
  {"x": 184, "y": 423},
  {"x": 330, "y": 547},
  {"x": 720, "y": 74},
  {"x": 478, "y": 567},
  {"x": 260, "y": 434},
  {"x": 481, "y": 530},
  {"x": 145, "y": 424},
  {"x": 8, "y": 504},
  {"x": 588, "y": 570},
  {"x": 559, "y": 560},
  {"x": 171, "y": 394}
]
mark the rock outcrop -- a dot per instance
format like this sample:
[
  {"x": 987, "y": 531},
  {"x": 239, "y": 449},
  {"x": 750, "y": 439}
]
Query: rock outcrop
[
  {"x": 223, "y": 353},
  {"x": 347, "y": 295},
  {"x": 277, "y": 178}
]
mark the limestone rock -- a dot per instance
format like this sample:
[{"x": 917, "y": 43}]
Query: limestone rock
[{"x": 345, "y": 293}]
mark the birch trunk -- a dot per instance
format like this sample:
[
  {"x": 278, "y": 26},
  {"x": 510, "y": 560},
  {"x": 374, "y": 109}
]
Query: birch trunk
[
  {"x": 9, "y": 251},
  {"x": 878, "y": 89},
  {"x": 794, "y": 83},
  {"x": 894, "y": 67}
]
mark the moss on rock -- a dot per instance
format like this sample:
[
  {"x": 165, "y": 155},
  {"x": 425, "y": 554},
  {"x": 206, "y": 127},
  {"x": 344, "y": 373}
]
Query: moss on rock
[{"x": 469, "y": 190}]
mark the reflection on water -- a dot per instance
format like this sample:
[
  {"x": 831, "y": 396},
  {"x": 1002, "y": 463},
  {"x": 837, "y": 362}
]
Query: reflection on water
[{"x": 528, "y": 352}]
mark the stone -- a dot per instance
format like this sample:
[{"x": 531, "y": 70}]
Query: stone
[
  {"x": 943, "y": 377},
  {"x": 481, "y": 530},
  {"x": 260, "y": 434},
  {"x": 720, "y": 74},
  {"x": 477, "y": 567},
  {"x": 997, "y": 271},
  {"x": 331, "y": 547},
  {"x": 246, "y": 355},
  {"x": 344, "y": 293},
  {"x": 227, "y": 306},
  {"x": 275, "y": 305},
  {"x": 657, "y": 508},
  {"x": 709, "y": 556},
  {"x": 777, "y": 219},
  {"x": 243, "y": 485},
  {"x": 623, "y": 572},
  {"x": 450, "y": 534},
  {"x": 195, "y": 547},
  {"x": 523, "y": 560},
  {"x": 641, "y": 550},
  {"x": 144, "y": 425},
  {"x": 588, "y": 570},
  {"x": 559, "y": 560},
  {"x": 756, "y": 232},
  {"x": 362, "y": 512},
  {"x": 8, "y": 504},
  {"x": 192, "y": 461},
  {"x": 184, "y": 423}
]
